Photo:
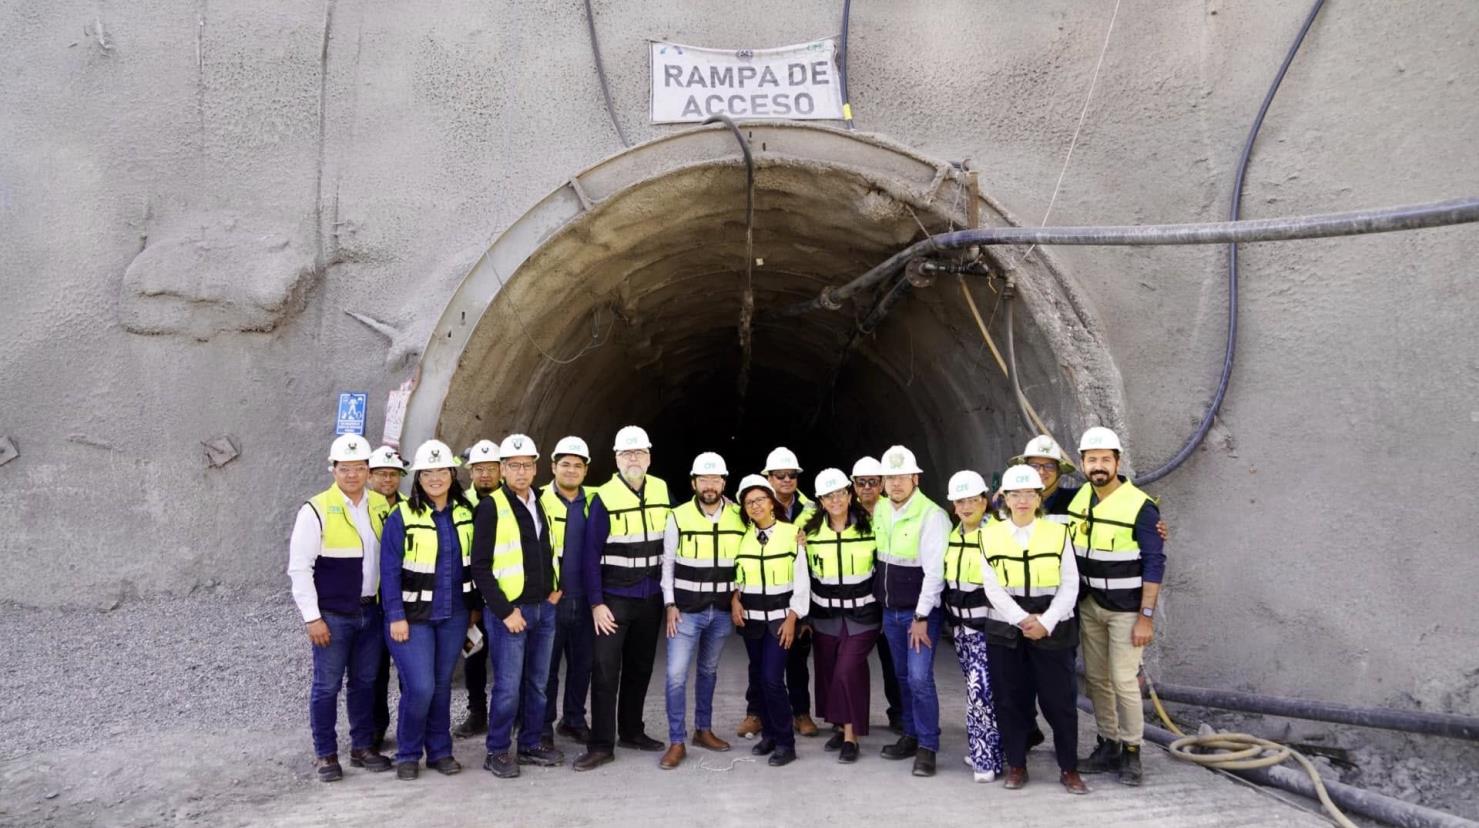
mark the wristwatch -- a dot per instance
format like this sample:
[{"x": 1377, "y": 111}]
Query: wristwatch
[
  {"x": 920, "y": 619},
  {"x": 1148, "y": 612},
  {"x": 669, "y": 606}
]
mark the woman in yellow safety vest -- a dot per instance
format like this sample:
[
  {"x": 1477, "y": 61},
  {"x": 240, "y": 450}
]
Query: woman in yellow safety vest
[
  {"x": 426, "y": 589},
  {"x": 771, "y": 595},
  {"x": 845, "y": 615}
]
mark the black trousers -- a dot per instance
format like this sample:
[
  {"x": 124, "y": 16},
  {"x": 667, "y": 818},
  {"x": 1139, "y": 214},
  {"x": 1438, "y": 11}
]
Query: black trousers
[
  {"x": 1016, "y": 674},
  {"x": 381, "y": 700},
  {"x": 621, "y": 669},
  {"x": 475, "y": 673},
  {"x": 890, "y": 678},
  {"x": 798, "y": 678}
]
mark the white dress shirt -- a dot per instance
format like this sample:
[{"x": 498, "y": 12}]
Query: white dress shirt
[{"x": 1061, "y": 609}]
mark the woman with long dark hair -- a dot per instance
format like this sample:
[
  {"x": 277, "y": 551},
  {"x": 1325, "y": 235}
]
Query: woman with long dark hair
[
  {"x": 846, "y": 617},
  {"x": 430, "y": 602}
]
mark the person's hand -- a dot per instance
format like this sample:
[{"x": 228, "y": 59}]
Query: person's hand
[
  {"x": 554, "y": 597},
  {"x": 1143, "y": 631},
  {"x": 787, "y": 632},
  {"x": 514, "y": 623},
  {"x": 1033, "y": 628},
  {"x": 919, "y": 636},
  {"x": 318, "y": 633},
  {"x": 737, "y": 613},
  {"x": 672, "y": 621},
  {"x": 1162, "y": 530},
  {"x": 604, "y": 620},
  {"x": 400, "y": 631},
  {"x": 473, "y": 617}
]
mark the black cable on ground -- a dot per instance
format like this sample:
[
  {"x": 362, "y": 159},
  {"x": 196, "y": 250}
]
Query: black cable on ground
[
  {"x": 842, "y": 68},
  {"x": 590, "y": 23},
  {"x": 1234, "y": 212}
]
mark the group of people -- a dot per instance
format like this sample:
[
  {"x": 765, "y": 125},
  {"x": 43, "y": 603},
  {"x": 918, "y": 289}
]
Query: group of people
[{"x": 596, "y": 577}]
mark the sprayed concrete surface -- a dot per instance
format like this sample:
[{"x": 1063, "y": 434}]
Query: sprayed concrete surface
[{"x": 217, "y": 217}]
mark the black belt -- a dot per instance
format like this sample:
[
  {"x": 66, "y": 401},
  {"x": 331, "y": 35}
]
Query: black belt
[{"x": 369, "y": 600}]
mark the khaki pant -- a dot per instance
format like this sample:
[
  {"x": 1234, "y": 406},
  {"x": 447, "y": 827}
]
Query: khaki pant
[{"x": 1111, "y": 664}]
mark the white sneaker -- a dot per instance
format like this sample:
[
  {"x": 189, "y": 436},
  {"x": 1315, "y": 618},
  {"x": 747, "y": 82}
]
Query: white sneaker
[
  {"x": 967, "y": 761},
  {"x": 984, "y": 776}
]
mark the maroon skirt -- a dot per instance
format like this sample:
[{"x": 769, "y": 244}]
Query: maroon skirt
[{"x": 842, "y": 683}]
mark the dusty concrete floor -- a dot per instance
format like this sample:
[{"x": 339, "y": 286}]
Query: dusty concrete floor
[{"x": 98, "y": 733}]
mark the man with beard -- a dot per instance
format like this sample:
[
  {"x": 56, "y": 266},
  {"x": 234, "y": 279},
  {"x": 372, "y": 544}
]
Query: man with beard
[
  {"x": 698, "y": 552},
  {"x": 567, "y": 503},
  {"x": 1121, "y": 563},
  {"x": 623, "y": 566},
  {"x": 486, "y": 472}
]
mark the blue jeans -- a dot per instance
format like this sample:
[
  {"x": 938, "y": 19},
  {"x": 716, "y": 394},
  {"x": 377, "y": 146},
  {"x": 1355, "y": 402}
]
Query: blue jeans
[
  {"x": 520, "y": 663},
  {"x": 354, "y": 648},
  {"x": 919, "y": 703},
  {"x": 574, "y": 639},
  {"x": 425, "y": 662},
  {"x": 704, "y": 632}
]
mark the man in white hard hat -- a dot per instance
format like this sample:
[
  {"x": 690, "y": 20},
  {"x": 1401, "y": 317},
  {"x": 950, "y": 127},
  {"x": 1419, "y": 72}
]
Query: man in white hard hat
[
  {"x": 1046, "y": 457},
  {"x": 698, "y": 551},
  {"x": 515, "y": 569},
  {"x": 387, "y": 469},
  {"x": 623, "y": 571},
  {"x": 1121, "y": 563},
  {"x": 867, "y": 483},
  {"x": 334, "y": 567},
  {"x": 567, "y": 502},
  {"x": 912, "y": 533},
  {"x": 484, "y": 468}
]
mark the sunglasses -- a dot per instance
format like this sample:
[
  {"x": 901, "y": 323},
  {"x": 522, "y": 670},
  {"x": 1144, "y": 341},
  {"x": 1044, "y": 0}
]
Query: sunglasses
[{"x": 784, "y": 475}]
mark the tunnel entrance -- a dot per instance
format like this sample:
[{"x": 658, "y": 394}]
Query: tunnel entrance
[{"x": 616, "y": 300}]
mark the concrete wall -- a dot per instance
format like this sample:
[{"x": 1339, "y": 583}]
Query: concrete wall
[{"x": 193, "y": 196}]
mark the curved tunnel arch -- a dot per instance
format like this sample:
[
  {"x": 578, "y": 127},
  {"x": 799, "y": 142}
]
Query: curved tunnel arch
[{"x": 614, "y": 300}]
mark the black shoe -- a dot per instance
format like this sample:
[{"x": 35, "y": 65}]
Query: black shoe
[
  {"x": 764, "y": 747},
  {"x": 924, "y": 762},
  {"x": 501, "y": 765},
  {"x": 1130, "y": 773},
  {"x": 446, "y": 766},
  {"x": 592, "y": 759},
  {"x": 642, "y": 742},
  {"x": 329, "y": 769},
  {"x": 475, "y": 724},
  {"x": 369, "y": 759},
  {"x": 1036, "y": 737},
  {"x": 1105, "y": 758},
  {"x": 545, "y": 757},
  {"x": 781, "y": 756},
  {"x": 576, "y": 732},
  {"x": 906, "y": 747},
  {"x": 849, "y": 753},
  {"x": 377, "y": 744},
  {"x": 835, "y": 743},
  {"x": 407, "y": 771}
]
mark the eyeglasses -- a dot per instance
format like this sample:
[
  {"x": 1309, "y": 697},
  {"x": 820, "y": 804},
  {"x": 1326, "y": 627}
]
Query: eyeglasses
[
  {"x": 783, "y": 475},
  {"x": 1021, "y": 494},
  {"x": 517, "y": 466},
  {"x": 627, "y": 454},
  {"x": 756, "y": 501},
  {"x": 1042, "y": 467},
  {"x": 867, "y": 482}
]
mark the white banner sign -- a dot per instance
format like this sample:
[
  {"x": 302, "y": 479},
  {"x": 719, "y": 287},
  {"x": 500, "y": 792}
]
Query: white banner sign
[{"x": 800, "y": 82}]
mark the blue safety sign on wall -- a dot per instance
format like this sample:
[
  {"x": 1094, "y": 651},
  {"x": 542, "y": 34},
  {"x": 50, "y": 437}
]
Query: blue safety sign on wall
[{"x": 351, "y": 419}]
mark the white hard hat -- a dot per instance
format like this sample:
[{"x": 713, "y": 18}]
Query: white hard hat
[
  {"x": 631, "y": 437},
  {"x": 781, "y": 458},
  {"x": 572, "y": 445},
  {"x": 752, "y": 481},
  {"x": 386, "y": 457},
  {"x": 899, "y": 460},
  {"x": 829, "y": 481},
  {"x": 867, "y": 467},
  {"x": 483, "y": 451},
  {"x": 1099, "y": 437},
  {"x": 709, "y": 463},
  {"x": 1020, "y": 477},
  {"x": 349, "y": 447},
  {"x": 965, "y": 484},
  {"x": 1047, "y": 448},
  {"x": 433, "y": 454},
  {"x": 518, "y": 445}
]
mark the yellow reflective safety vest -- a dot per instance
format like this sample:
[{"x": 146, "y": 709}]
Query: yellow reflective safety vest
[
  {"x": 765, "y": 574},
  {"x": 963, "y": 597},
  {"x": 1109, "y": 565},
  {"x": 338, "y": 573},
  {"x": 558, "y": 513},
  {"x": 703, "y": 563},
  {"x": 419, "y": 558},
  {"x": 841, "y": 567},
  {"x": 633, "y": 548},
  {"x": 897, "y": 535},
  {"x": 508, "y": 549},
  {"x": 1031, "y": 575}
]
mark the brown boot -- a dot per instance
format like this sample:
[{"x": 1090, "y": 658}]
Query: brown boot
[
  {"x": 749, "y": 727},
  {"x": 707, "y": 740},
  {"x": 674, "y": 757},
  {"x": 1073, "y": 783},
  {"x": 805, "y": 726}
]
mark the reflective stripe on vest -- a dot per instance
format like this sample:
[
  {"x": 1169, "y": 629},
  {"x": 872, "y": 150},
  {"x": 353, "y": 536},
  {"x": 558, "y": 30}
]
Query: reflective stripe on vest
[
  {"x": 964, "y": 596},
  {"x": 557, "y": 511},
  {"x": 633, "y": 547},
  {"x": 508, "y": 547},
  {"x": 1031, "y": 575},
  {"x": 765, "y": 574},
  {"x": 419, "y": 558},
  {"x": 703, "y": 563},
  {"x": 897, "y": 533},
  {"x": 841, "y": 568},
  {"x": 1109, "y": 562},
  {"x": 338, "y": 536}
]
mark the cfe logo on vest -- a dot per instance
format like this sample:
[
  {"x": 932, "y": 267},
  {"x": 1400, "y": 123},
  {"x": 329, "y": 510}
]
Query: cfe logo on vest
[{"x": 799, "y": 82}]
